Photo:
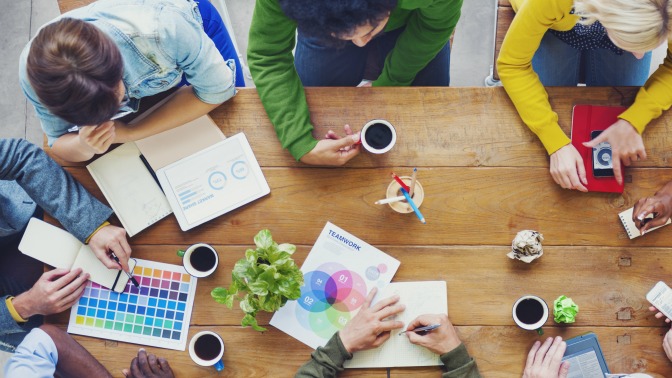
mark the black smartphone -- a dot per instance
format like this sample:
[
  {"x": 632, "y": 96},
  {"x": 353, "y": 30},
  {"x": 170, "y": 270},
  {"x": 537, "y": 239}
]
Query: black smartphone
[{"x": 602, "y": 164}]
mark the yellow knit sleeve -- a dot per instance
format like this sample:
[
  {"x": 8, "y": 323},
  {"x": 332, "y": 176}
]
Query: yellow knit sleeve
[
  {"x": 654, "y": 97},
  {"x": 514, "y": 64}
]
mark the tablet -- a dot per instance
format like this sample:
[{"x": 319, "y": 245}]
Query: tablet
[
  {"x": 585, "y": 357},
  {"x": 213, "y": 181}
]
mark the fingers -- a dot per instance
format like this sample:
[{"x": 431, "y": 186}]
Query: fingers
[
  {"x": 135, "y": 369},
  {"x": 389, "y": 325},
  {"x": 385, "y": 302},
  {"x": 600, "y": 138},
  {"x": 575, "y": 182},
  {"x": 369, "y": 298},
  {"x": 555, "y": 353},
  {"x": 121, "y": 254},
  {"x": 53, "y": 274},
  {"x": 618, "y": 174},
  {"x": 66, "y": 279},
  {"x": 390, "y": 311},
  {"x": 381, "y": 339},
  {"x": 153, "y": 363},
  {"x": 581, "y": 170},
  {"x": 564, "y": 370},
  {"x": 420, "y": 321},
  {"x": 143, "y": 362},
  {"x": 348, "y": 130},
  {"x": 538, "y": 359},
  {"x": 74, "y": 291},
  {"x": 532, "y": 353},
  {"x": 163, "y": 363}
]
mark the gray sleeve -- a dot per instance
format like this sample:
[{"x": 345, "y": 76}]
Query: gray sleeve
[{"x": 51, "y": 187}]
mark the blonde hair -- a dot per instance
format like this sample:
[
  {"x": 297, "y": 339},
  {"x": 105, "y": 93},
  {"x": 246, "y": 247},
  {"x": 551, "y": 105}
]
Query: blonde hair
[{"x": 633, "y": 25}]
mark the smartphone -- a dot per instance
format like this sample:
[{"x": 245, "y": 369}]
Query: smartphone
[
  {"x": 602, "y": 164},
  {"x": 661, "y": 298}
]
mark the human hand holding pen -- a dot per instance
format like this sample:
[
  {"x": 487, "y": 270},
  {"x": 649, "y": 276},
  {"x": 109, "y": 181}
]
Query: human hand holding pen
[
  {"x": 441, "y": 340},
  {"x": 111, "y": 239},
  {"x": 660, "y": 206}
]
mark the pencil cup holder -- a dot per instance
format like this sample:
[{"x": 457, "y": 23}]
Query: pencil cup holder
[{"x": 394, "y": 190}]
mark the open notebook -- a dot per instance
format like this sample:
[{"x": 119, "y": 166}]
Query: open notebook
[
  {"x": 56, "y": 247},
  {"x": 631, "y": 228},
  {"x": 424, "y": 297},
  {"x": 129, "y": 185}
]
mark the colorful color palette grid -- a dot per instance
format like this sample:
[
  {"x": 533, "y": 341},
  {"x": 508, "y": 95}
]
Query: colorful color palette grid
[{"x": 155, "y": 314}]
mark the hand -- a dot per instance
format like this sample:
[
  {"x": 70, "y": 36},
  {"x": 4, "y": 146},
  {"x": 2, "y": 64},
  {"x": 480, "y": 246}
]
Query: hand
[
  {"x": 660, "y": 205},
  {"x": 55, "y": 291},
  {"x": 369, "y": 329},
  {"x": 667, "y": 344},
  {"x": 97, "y": 139},
  {"x": 441, "y": 340},
  {"x": 567, "y": 168},
  {"x": 111, "y": 239},
  {"x": 545, "y": 360},
  {"x": 626, "y": 145},
  {"x": 148, "y": 366},
  {"x": 334, "y": 150},
  {"x": 659, "y": 314}
]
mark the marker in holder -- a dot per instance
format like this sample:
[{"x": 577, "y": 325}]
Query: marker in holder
[{"x": 394, "y": 190}]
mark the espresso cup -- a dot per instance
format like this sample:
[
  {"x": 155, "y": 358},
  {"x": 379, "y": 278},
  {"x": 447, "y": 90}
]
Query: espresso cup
[
  {"x": 378, "y": 136},
  {"x": 206, "y": 348},
  {"x": 530, "y": 312},
  {"x": 199, "y": 260}
]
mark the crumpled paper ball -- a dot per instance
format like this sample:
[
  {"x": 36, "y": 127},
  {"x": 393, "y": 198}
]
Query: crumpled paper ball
[
  {"x": 526, "y": 246},
  {"x": 564, "y": 310}
]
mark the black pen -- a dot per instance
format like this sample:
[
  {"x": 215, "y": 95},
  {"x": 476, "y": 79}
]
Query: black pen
[
  {"x": 151, "y": 171},
  {"x": 422, "y": 330},
  {"x": 130, "y": 276}
]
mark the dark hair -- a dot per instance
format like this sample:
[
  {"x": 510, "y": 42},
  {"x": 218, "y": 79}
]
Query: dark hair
[
  {"x": 330, "y": 19},
  {"x": 75, "y": 70}
]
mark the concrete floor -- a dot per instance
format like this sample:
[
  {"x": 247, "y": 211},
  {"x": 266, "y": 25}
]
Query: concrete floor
[{"x": 471, "y": 57}]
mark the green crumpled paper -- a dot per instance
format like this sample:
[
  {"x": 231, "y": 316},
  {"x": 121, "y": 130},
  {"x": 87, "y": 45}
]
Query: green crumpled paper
[{"x": 565, "y": 310}]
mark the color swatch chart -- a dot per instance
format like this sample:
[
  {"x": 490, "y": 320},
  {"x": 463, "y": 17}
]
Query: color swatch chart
[{"x": 155, "y": 314}]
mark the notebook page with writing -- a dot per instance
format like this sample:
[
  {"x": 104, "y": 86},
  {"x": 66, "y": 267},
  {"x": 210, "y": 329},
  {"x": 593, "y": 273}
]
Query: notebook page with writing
[
  {"x": 631, "y": 228},
  {"x": 423, "y": 297},
  {"x": 129, "y": 188}
]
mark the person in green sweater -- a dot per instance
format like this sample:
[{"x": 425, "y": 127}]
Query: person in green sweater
[
  {"x": 342, "y": 43},
  {"x": 371, "y": 327}
]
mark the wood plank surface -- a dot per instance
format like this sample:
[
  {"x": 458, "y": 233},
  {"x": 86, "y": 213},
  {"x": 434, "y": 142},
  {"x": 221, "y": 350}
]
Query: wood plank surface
[
  {"x": 498, "y": 351},
  {"x": 463, "y": 206}
]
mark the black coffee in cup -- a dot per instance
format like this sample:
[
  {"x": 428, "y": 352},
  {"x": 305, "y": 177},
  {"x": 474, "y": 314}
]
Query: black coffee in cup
[
  {"x": 529, "y": 311},
  {"x": 203, "y": 259},
  {"x": 207, "y": 347},
  {"x": 378, "y": 136}
]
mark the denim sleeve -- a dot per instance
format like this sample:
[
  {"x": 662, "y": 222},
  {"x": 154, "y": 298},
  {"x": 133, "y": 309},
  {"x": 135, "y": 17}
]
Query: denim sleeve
[
  {"x": 51, "y": 187},
  {"x": 53, "y": 126},
  {"x": 8, "y": 325},
  {"x": 212, "y": 78}
]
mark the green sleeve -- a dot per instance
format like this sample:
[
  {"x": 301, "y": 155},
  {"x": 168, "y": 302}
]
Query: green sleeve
[
  {"x": 326, "y": 361},
  {"x": 428, "y": 29},
  {"x": 459, "y": 364},
  {"x": 269, "y": 54}
]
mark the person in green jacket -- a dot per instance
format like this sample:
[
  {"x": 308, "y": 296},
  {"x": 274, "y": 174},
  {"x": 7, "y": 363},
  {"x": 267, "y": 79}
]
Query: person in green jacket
[
  {"x": 371, "y": 327},
  {"x": 343, "y": 43}
]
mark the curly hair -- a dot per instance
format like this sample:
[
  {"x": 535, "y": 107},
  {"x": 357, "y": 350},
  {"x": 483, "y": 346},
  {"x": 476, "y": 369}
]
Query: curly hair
[
  {"x": 329, "y": 20},
  {"x": 634, "y": 25},
  {"x": 75, "y": 70}
]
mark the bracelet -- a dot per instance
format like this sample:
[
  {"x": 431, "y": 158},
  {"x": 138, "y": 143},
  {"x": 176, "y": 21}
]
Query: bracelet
[
  {"x": 13, "y": 312},
  {"x": 106, "y": 223}
]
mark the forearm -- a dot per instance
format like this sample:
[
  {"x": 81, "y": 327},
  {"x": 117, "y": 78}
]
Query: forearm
[
  {"x": 68, "y": 147},
  {"x": 326, "y": 361},
  {"x": 459, "y": 364},
  {"x": 181, "y": 108}
]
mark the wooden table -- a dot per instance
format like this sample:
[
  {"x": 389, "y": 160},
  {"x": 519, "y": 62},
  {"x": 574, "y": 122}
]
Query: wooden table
[{"x": 485, "y": 177}]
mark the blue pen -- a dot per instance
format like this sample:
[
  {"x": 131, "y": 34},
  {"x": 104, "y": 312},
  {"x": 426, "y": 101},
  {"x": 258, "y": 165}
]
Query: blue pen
[
  {"x": 422, "y": 330},
  {"x": 415, "y": 208}
]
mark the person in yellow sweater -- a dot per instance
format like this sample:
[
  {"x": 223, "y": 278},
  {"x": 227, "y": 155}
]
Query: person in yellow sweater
[{"x": 600, "y": 43}]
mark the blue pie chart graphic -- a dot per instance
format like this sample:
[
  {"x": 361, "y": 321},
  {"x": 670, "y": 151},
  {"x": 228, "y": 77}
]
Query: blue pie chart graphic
[{"x": 217, "y": 180}]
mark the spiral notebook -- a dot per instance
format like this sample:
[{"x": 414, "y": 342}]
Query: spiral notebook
[{"x": 631, "y": 228}]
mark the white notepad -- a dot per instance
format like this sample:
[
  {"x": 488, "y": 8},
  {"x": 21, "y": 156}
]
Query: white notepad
[
  {"x": 129, "y": 188},
  {"x": 631, "y": 228},
  {"x": 424, "y": 297},
  {"x": 212, "y": 182},
  {"x": 56, "y": 247}
]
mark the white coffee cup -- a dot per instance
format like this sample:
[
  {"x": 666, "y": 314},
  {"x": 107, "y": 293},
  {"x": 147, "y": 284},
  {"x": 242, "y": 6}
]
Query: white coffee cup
[
  {"x": 538, "y": 321},
  {"x": 217, "y": 350},
  {"x": 384, "y": 138},
  {"x": 195, "y": 266}
]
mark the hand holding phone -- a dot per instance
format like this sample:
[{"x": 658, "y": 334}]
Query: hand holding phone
[
  {"x": 660, "y": 296},
  {"x": 602, "y": 157}
]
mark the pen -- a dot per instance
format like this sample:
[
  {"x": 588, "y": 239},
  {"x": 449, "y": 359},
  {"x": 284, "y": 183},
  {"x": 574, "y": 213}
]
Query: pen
[
  {"x": 403, "y": 184},
  {"x": 151, "y": 171},
  {"x": 413, "y": 177},
  {"x": 390, "y": 200},
  {"x": 73, "y": 129},
  {"x": 415, "y": 208},
  {"x": 422, "y": 330},
  {"x": 135, "y": 282}
]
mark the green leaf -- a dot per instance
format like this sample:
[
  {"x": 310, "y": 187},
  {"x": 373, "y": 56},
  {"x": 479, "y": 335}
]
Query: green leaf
[
  {"x": 246, "y": 306},
  {"x": 259, "y": 287},
  {"x": 269, "y": 276},
  {"x": 263, "y": 239},
  {"x": 251, "y": 256},
  {"x": 271, "y": 303},
  {"x": 250, "y": 320},
  {"x": 219, "y": 292},
  {"x": 286, "y": 247}
]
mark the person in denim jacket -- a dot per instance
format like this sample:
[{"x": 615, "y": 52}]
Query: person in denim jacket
[
  {"x": 30, "y": 182},
  {"x": 91, "y": 66}
]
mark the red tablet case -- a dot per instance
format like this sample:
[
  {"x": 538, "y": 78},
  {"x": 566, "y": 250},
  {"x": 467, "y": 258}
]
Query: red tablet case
[{"x": 585, "y": 119}]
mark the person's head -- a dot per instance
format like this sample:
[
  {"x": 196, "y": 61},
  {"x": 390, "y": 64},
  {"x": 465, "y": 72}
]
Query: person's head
[
  {"x": 345, "y": 20},
  {"x": 76, "y": 71},
  {"x": 636, "y": 26}
]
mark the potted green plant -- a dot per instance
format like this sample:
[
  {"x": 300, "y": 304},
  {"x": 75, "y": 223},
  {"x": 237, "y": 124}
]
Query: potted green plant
[{"x": 264, "y": 280}]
